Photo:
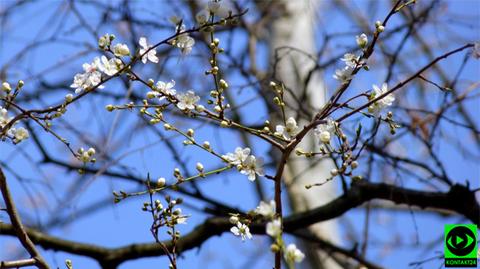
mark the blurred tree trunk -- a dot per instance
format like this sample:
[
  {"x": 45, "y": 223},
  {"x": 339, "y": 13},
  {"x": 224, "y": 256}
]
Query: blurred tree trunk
[{"x": 295, "y": 28}]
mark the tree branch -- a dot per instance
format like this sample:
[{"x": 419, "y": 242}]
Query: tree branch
[
  {"x": 17, "y": 224},
  {"x": 18, "y": 263},
  {"x": 458, "y": 199}
]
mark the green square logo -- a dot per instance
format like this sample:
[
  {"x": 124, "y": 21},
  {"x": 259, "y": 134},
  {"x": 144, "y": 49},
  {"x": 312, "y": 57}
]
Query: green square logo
[{"x": 460, "y": 245}]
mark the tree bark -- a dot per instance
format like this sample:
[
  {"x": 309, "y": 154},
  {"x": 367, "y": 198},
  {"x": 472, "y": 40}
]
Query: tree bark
[{"x": 293, "y": 41}]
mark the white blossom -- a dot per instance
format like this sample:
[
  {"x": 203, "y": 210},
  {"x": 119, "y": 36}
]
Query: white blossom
[
  {"x": 110, "y": 67},
  {"x": 238, "y": 157},
  {"x": 219, "y": 8},
  {"x": 241, "y": 230},
  {"x": 351, "y": 60},
  {"x": 343, "y": 75},
  {"x": 265, "y": 209},
  {"x": 183, "y": 41},
  {"x": 4, "y": 119},
  {"x": 166, "y": 87},
  {"x": 187, "y": 100},
  {"x": 289, "y": 130},
  {"x": 202, "y": 16},
  {"x": 121, "y": 50},
  {"x": 105, "y": 40},
  {"x": 274, "y": 228},
  {"x": 151, "y": 55},
  {"x": 252, "y": 166},
  {"x": 18, "y": 134},
  {"x": 382, "y": 103},
  {"x": 213, "y": 6},
  {"x": 21, "y": 134},
  {"x": 293, "y": 254},
  {"x": 90, "y": 78},
  {"x": 247, "y": 164},
  {"x": 324, "y": 132},
  {"x": 179, "y": 218},
  {"x": 161, "y": 89}
]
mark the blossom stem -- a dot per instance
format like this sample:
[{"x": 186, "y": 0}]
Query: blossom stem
[
  {"x": 403, "y": 83},
  {"x": 202, "y": 175}
]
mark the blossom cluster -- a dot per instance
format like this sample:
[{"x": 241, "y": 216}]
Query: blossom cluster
[
  {"x": 274, "y": 229},
  {"x": 17, "y": 134},
  {"x": 247, "y": 164},
  {"x": 344, "y": 75},
  {"x": 352, "y": 61},
  {"x": 86, "y": 155},
  {"x": 186, "y": 101},
  {"x": 169, "y": 215},
  {"x": 92, "y": 75}
]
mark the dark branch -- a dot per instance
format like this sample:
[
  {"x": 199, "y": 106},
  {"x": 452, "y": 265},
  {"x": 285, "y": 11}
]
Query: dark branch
[{"x": 458, "y": 199}]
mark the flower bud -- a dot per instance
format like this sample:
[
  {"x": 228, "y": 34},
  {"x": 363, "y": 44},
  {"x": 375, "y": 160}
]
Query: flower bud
[
  {"x": 199, "y": 167},
  {"x": 91, "y": 152},
  {"x": 151, "y": 94},
  {"x": 214, "y": 70},
  {"x": 200, "y": 108},
  {"x": 6, "y": 87},
  {"x": 362, "y": 40},
  {"x": 274, "y": 248},
  {"x": 206, "y": 145},
  {"x": 233, "y": 220},
  {"x": 378, "y": 25},
  {"x": 325, "y": 137},
  {"x": 68, "y": 98},
  {"x": 161, "y": 182},
  {"x": 354, "y": 164},
  {"x": 121, "y": 50},
  {"x": 223, "y": 84}
]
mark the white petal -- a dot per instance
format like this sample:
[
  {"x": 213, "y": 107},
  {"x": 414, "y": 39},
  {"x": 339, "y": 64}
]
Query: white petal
[{"x": 143, "y": 42}]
